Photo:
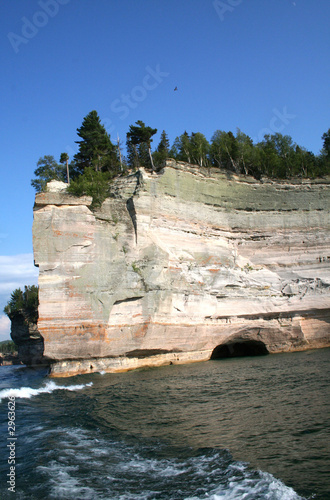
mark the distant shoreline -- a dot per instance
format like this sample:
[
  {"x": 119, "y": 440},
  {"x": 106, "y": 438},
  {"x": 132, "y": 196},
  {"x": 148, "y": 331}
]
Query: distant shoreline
[{"x": 9, "y": 359}]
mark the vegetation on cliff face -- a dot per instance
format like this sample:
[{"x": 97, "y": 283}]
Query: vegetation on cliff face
[
  {"x": 23, "y": 303},
  {"x": 98, "y": 160},
  {"x": 47, "y": 170}
]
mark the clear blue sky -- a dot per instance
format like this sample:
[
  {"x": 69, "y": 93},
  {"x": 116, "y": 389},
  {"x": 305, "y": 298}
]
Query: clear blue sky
[{"x": 260, "y": 65}]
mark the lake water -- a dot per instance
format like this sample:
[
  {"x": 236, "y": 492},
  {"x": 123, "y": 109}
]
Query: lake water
[{"x": 245, "y": 428}]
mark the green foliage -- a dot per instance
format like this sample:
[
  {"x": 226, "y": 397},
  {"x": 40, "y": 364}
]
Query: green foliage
[
  {"x": 95, "y": 147},
  {"x": 275, "y": 156},
  {"x": 326, "y": 144},
  {"x": 48, "y": 170},
  {"x": 162, "y": 151},
  {"x": 98, "y": 160},
  {"x": 139, "y": 139},
  {"x": 181, "y": 150},
  {"x": 191, "y": 149},
  {"x": 136, "y": 268},
  {"x": 199, "y": 148},
  {"x": 8, "y": 347},
  {"x": 92, "y": 183},
  {"x": 25, "y": 303},
  {"x": 224, "y": 151},
  {"x": 324, "y": 158}
]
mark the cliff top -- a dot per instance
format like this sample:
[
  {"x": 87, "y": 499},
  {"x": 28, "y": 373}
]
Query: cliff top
[{"x": 190, "y": 183}]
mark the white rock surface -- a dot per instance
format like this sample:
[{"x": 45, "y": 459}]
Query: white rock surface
[{"x": 177, "y": 263}]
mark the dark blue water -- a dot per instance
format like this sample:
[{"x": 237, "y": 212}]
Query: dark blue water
[{"x": 245, "y": 428}]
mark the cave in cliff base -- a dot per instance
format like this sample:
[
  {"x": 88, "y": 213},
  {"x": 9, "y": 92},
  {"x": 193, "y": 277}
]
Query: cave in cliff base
[{"x": 239, "y": 349}]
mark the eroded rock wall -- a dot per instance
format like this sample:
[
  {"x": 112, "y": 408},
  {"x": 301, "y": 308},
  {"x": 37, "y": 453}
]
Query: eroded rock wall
[{"x": 178, "y": 262}]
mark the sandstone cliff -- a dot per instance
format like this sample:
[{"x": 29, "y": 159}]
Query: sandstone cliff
[{"x": 182, "y": 265}]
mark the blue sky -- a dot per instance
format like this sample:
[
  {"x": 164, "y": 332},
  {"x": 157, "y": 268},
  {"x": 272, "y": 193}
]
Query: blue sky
[{"x": 259, "y": 65}]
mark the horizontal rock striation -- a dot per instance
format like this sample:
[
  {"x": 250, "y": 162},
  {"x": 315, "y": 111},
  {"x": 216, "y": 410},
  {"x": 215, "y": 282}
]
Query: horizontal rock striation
[{"x": 178, "y": 263}]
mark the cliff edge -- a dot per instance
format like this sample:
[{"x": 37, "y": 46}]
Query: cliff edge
[{"x": 182, "y": 265}]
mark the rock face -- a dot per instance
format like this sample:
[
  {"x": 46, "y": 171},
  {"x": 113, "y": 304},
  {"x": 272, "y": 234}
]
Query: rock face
[
  {"x": 182, "y": 265},
  {"x": 26, "y": 336}
]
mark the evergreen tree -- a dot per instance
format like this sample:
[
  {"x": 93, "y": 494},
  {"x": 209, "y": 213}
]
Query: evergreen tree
[
  {"x": 48, "y": 170},
  {"x": 323, "y": 164},
  {"x": 92, "y": 183},
  {"x": 163, "y": 149},
  {"x": 132, "y": 155},
  {"x": 95, "y": 147},
  {"x": 25, "y": 303},
  {"x": 326, "y": 143},
  {"x": 164, "y": 143},
  {"x": 181, "y": 149},
  {"x": 140, "y": 136}
]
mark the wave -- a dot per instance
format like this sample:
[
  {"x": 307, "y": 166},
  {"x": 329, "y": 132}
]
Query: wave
[
  {"x": 87, "y": 466},
  {"x": 29, "y": 392},
  {"x": 265, "y": 486}
]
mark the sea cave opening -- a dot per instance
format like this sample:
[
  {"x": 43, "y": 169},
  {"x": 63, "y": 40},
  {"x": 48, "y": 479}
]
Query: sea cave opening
[{"x": 237, "y": 349}]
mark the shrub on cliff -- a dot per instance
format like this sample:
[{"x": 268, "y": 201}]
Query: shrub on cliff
[
  {"x": 92, "y": 183},
  {"x": 23, "y": 303}
]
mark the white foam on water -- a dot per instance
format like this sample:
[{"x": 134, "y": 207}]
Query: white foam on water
[
  {"x": 161, "y": 468},
  {"x": 29, "y": 392},
  {"x": 64, "y": 485},
  {"x": 86, "y": 466},
  {"x": 266, "y": 487}
]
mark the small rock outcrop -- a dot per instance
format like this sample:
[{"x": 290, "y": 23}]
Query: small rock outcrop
[
  {"x": 26, "y": 336},
  {"x": 182, "y": 265}
]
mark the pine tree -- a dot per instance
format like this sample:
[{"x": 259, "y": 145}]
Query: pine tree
[
  {"x": 141, "y": 135},
  {"x": 163, "y": 149},
  {"x": 95, "y": 148}
]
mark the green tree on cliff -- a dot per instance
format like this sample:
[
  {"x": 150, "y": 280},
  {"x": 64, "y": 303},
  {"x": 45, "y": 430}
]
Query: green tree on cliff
[
  {"x": 324, "y": 158},
  {"x": 199, "y": 148},
  {"x": 163, "y": 149},
  {"x": 95, "y": 147},
  {"x": 224, "y": 151},
  {"x": 48, "y": 170},
  {"x": 181, "y": 149},
  {"x": 23, "y": 302},
  {"x": 139, "y": 138}
]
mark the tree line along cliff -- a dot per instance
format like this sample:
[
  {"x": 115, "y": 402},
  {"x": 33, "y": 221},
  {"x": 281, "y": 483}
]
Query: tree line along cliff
[{"x": 98, "y": 160}]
